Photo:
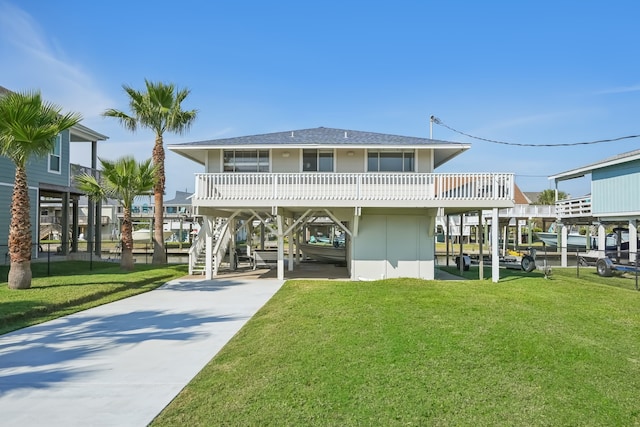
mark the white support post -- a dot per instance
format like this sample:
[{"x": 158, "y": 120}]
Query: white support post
[
  {"x": 633, "y": 241},
  {"x": 262, "y": 232},
  {"x": 461, "y": 237},
  {"x": 563, "y": 247},
  {"x": 298, "y": 252},
  {"x": 291, "y": 245},
  {"x": 519, "y": 234},
  {"x": 279, "y": 220},
  {"x": 209, "y": 248},
  {"x": 495, "y": 243},
  {"x": 232, "y": 245},
  {"x": 602, "y": 240},
  {"x": 480, "y": 245}
]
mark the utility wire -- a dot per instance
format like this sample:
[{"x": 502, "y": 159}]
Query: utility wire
[{"x": 439, "y": 122}]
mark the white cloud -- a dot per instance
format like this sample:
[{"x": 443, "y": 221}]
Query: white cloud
[
  {"x": 37, "y": 62},
  {"x": 620, "y": 89}
]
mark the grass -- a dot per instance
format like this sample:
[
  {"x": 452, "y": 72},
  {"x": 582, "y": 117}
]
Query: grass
[
  {"x": 525, "y": 351},
  {"x": 72, "y": 287}
]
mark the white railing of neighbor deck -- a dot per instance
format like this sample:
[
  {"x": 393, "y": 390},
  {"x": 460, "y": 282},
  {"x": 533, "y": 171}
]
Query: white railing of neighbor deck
[{"x": 577, "y": 207}]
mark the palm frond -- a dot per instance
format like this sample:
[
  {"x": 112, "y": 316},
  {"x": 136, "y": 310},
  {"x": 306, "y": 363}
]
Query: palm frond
[{"x": 29, "y": 125}]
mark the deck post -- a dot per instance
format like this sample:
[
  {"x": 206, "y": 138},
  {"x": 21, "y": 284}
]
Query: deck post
[
  {"x": 480, "y": 245},
  {"x": 563, "y": 247},
  {"x": 447, "y": 239},
  {"x": 495, "y": 243},
  {"x": 602, "y": 240},
  {"x": 461, "y": 264},
  {"x": 291, "y": 247},
  {"x": 280, "y": 247},
  {"x": 633, "y": 241},
  {"x": 209, "y": 248}
]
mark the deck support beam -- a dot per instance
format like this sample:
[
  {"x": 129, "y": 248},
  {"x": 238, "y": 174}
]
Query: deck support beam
[
  {"x": 495, "y": 240},
  {"x": 280, "y": 234},
  {"x": 563, "y": 245},
  {"x": 480, "y": 247},
  {"x": 602, "y": 240},
  {"x": 633, "y": 241}
]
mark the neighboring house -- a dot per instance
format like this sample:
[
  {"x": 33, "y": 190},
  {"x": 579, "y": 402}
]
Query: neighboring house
[
  {"x": 178, "y": 217},
  {"x": 381, "y": 190},
  {"x": 520, "y": 216},
  {"x": 50, "y": 181},
  {"x": 109, "y": 225},
  {"x": 532, "y": 196},
  {"x": 613, "y": 200}
]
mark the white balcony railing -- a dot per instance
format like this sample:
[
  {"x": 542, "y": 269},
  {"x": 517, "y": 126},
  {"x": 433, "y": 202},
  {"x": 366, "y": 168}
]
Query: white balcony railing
[
  {"x": 571, "y": 208},
  {"x": 269, "y": 187},
  {"x": 528, "y": 211}
]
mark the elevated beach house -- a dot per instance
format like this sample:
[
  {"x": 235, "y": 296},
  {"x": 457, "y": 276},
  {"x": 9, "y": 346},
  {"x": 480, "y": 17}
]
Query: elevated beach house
[
  {"x": 380, "y": 190},
  {"x": 613, "y": 200}
]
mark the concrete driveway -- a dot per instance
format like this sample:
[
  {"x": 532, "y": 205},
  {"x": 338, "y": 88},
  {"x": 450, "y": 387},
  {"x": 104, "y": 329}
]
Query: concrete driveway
[{"x": 120, "y": 364}]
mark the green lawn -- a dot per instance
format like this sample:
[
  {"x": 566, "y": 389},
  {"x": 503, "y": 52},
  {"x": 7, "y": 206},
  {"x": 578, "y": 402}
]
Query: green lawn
[
  {"x": 526, "y": 351},
  {"x": 72, "y": 286}
]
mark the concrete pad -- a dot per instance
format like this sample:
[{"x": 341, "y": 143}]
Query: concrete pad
[{"x": 120, "y": 364}]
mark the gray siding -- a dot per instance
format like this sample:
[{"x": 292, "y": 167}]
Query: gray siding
[
  {"x": 37, "y": 172},
  {"x": 37, "y": 168},
  {"x": 5, "y": 217},
  {"x": 614, "y": 190}
]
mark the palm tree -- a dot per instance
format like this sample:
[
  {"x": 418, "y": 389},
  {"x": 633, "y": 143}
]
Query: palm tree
[
  {"x": 123, "y": 180},
  {"x": 548, "y": 197},
  {"x": 158, "y": 109},
  {"x": 28, "y": 128}
]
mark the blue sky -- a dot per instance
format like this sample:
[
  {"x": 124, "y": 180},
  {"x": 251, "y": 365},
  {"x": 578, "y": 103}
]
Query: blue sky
[{"x": 537, "y": 72}]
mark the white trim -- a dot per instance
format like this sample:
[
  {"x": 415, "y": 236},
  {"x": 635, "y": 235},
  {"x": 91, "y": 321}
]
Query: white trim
[
  {"x": 59, "y": 155},
  {"x": 321, "y": 146},
  {"x": 6, "y": 184},
  {"x": 584, "y": 170}
]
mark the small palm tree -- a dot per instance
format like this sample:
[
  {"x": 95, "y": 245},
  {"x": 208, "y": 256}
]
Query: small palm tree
[
  {"x": 28, "y": 128},
  {"x": 548, "y": 197},
  {"x": 123, "y": 180},
  {"x": 158, "y": 109}
]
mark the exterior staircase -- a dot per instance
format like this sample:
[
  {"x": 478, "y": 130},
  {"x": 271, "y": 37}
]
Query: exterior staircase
[{"x": 198, "y": 251}]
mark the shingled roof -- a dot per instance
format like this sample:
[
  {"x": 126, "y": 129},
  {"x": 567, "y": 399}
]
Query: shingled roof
[{"x": 321, "y": 137}]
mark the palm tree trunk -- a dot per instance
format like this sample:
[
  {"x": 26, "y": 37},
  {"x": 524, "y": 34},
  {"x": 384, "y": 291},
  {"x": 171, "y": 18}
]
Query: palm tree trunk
[
  {"x": 126, "y": 260},
  {"x": 159, "y": 256},
  {"x": 20, "y": 233}
]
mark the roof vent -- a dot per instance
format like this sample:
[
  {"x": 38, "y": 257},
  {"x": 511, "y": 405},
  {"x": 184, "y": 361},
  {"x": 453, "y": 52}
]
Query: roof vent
[
  {"x": 291, "y": 134},
  {"x": 345, "y": 134}
]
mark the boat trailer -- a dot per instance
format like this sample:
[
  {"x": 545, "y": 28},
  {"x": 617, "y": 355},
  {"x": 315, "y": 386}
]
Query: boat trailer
[{"x": 606, "y": 266}]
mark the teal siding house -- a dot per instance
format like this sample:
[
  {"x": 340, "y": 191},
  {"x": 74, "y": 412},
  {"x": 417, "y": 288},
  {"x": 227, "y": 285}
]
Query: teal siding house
[
  {"x": 614, "y": 198},
  {"x": 614, "y": 186},
  {"x": 50, "y": 180}
]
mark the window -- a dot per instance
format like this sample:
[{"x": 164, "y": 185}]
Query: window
[
  {"x": 246, "y": 161},
  {"x": 390, "y": 161},
  {"x": 317, "y": 160},
  {"x": 55, "y": 156}
]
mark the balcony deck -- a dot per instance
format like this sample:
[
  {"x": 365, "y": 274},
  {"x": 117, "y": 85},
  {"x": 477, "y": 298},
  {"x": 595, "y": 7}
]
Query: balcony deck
[
  {"x": 579, "y": 207},
  {"x": 354, "y": 189}
]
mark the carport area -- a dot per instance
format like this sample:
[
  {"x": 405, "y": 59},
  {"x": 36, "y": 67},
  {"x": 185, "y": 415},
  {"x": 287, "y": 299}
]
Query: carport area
[{"x": 303, "y": 270}]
